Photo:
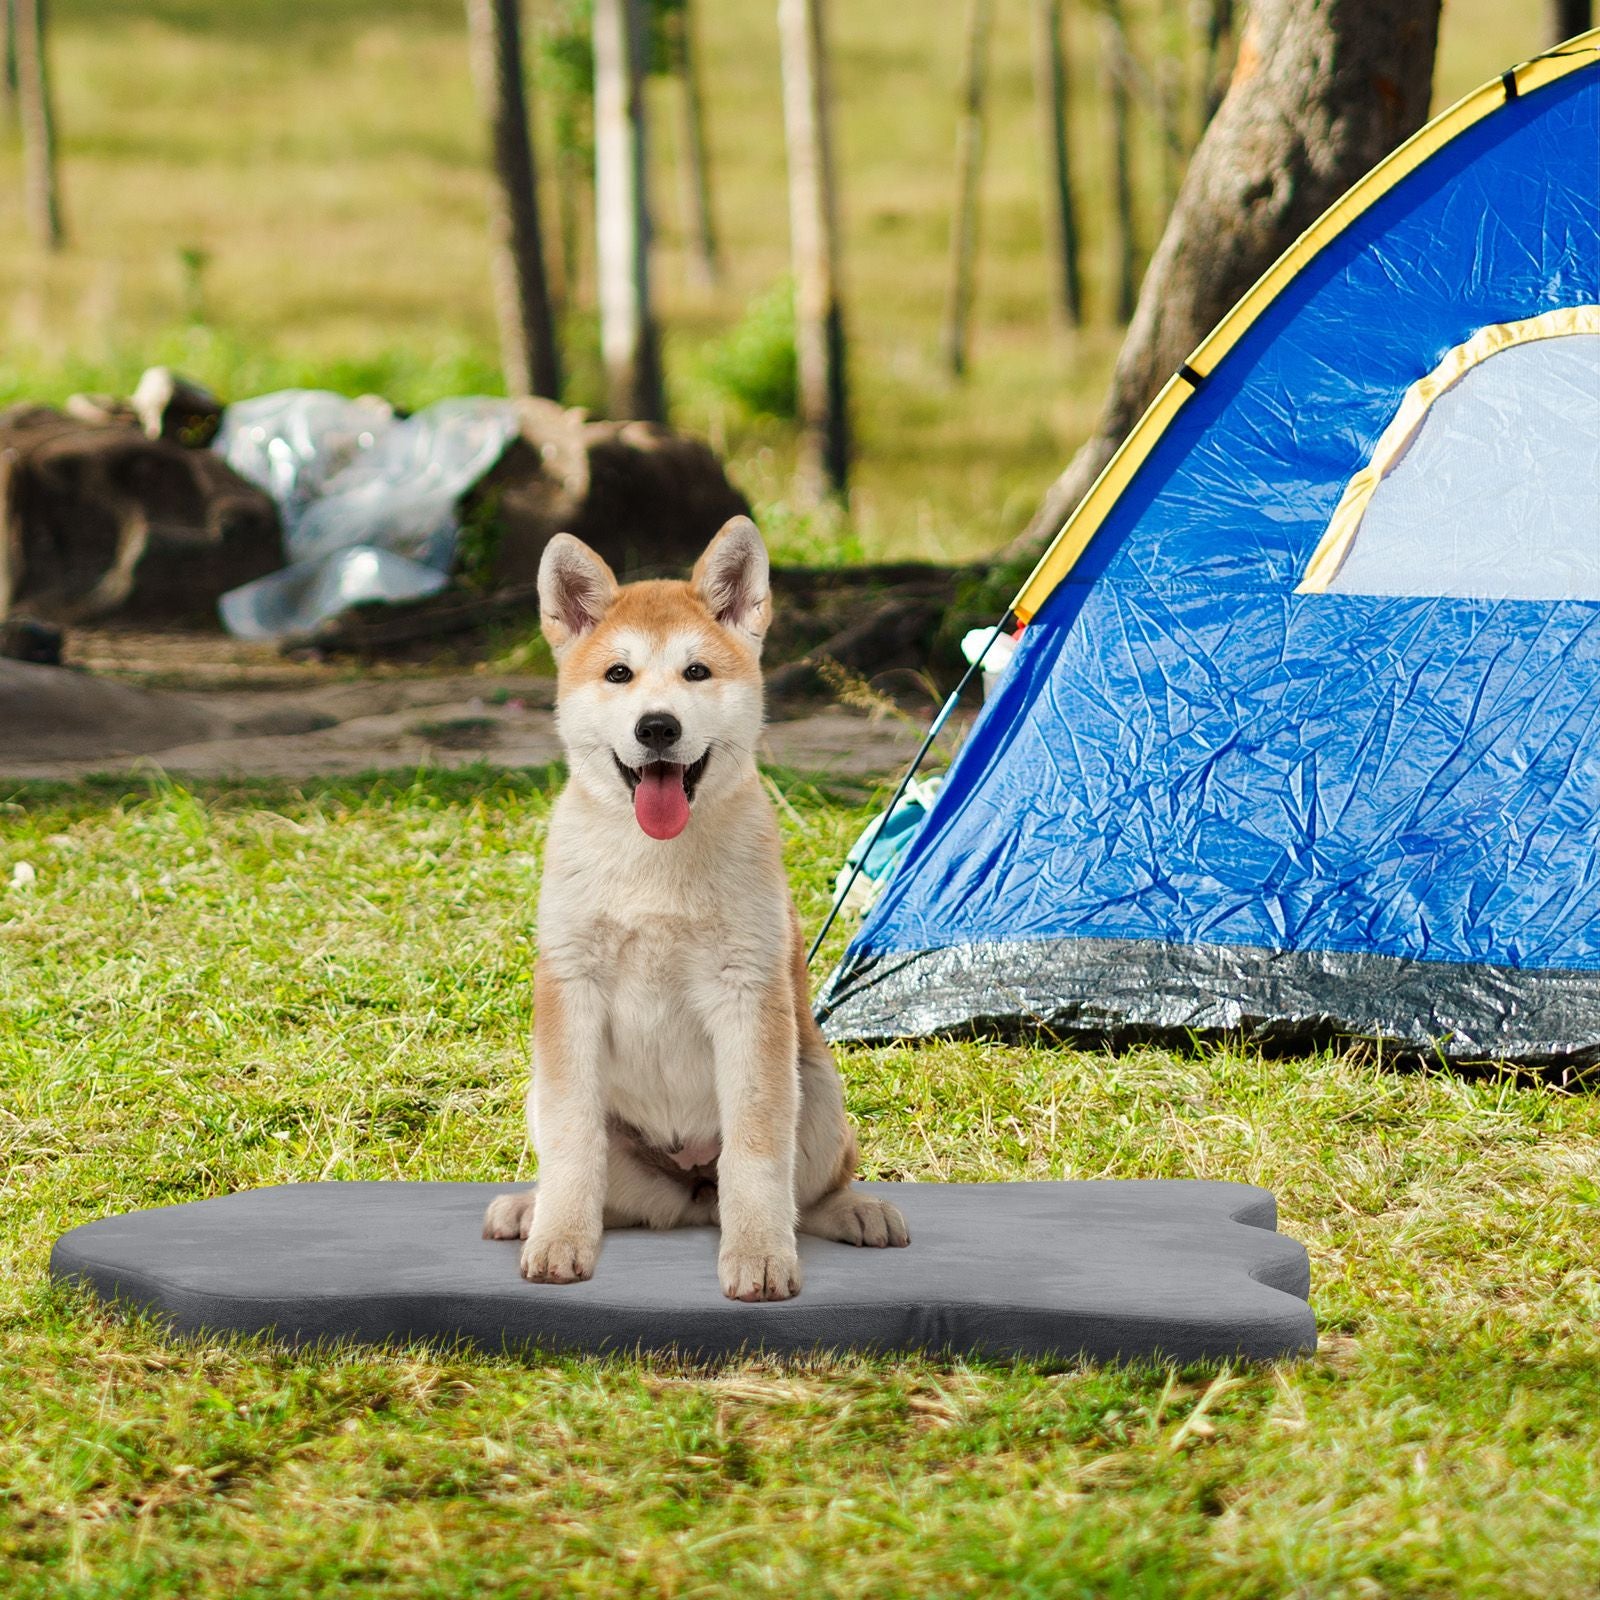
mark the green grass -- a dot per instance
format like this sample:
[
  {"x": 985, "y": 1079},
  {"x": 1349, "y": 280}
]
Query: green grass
[
  {"x": 256, "y": 984},
  {"x": 293, "y": 193}
]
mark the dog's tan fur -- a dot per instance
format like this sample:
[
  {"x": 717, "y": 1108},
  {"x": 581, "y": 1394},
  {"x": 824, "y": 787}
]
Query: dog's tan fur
[{"x": 678, "y": 1074}]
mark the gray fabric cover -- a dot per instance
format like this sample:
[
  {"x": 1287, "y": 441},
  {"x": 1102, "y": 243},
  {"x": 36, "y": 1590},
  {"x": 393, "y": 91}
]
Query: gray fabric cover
[{"x": 1104, "y": 1269}]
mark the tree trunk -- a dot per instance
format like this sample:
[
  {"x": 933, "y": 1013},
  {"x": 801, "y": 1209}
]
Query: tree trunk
[
  {"x": 813, "y": 227},
  {"x": 8, "y": 59},
  {"x": 1120, "y": 99},
  {"x": 1050, "y": 90},
  {"x": 969, "y": 174},
  {"x": 1213, "y": 83},
  {"x": 622, "y": 214},
  {"x": 1322, "y": 91},
  {"x": 696, "y": 159},
  {"x": 529, "y": 355},
  {"x": 38, "y": 123},
  {"x": 1569, "y": 18}
]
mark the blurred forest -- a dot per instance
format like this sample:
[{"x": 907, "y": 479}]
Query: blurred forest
[{"x": 296, "y": 193}]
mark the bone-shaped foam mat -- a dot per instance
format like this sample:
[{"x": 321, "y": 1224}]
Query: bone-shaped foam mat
[{"x": 1180, "y": 1270}]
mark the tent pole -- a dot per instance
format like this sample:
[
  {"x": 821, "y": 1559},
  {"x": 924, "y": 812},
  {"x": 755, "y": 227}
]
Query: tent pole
[{"x": 1004, "y": 625}]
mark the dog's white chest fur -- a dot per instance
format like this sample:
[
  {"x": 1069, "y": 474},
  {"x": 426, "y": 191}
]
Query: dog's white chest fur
[
  {"x": 663, "y": 937},
  {"x": 657, "y": 1067}
]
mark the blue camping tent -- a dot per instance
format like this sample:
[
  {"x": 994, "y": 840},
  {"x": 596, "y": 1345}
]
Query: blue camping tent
[{"x": 1303, "y": 731}]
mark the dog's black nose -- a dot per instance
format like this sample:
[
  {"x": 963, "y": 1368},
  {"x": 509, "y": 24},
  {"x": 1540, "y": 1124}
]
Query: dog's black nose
[{"x": 658, "y": 730}]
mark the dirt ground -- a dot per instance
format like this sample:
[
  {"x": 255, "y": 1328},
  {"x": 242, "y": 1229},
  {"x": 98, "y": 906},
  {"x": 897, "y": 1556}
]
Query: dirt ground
[{"x": 204, "y": 705}]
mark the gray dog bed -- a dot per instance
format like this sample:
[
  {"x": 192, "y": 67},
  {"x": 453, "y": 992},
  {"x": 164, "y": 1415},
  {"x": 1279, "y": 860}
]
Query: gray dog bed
[{"x": 1105, "y": 1270}]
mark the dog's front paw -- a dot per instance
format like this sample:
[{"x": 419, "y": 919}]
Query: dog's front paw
[
  {"x": 860, "y": 1219},
  {"x": 510, "y": 1216},
  {"x": 560, "y": 1259},
  {"x": 759, "y": 1275}
]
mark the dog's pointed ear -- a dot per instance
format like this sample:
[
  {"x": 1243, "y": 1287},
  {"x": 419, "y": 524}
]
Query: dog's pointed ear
[
  {"x": 731, "y": 579},
  {"x": 576, "y": 589}
]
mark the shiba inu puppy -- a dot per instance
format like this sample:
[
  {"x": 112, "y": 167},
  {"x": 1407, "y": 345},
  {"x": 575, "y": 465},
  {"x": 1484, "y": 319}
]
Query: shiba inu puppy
[{"x": 678, "y": 1074}]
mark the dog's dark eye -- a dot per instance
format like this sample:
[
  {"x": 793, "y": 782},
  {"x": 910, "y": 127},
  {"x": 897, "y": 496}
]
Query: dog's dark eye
[
  {"x": 697, "y": 672},
  {"x": 617, "y": 673}
]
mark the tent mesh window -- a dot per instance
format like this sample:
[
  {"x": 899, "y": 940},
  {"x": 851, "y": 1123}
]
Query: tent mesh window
[{"x": 1486, "y": 484}]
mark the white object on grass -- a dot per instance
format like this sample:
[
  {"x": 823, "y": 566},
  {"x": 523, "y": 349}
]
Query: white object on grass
[
  {"x": 295, "y": 598},
  {"x": 996, "y": 661},
  {"x": 349, "y": 476}
]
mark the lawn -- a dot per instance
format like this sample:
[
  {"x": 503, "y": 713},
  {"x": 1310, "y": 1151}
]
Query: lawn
[
  {"x": 294, "y": 193},
  {"x": 252, "y": 984}
]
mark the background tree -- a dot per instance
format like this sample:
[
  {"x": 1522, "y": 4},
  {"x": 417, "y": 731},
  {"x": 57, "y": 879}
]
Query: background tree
[
  {"x": 35, "y": 111},
  {"x": 1570, "y": 17},
  {"x": 1119, "y": 96},
  {"x": 677, "y": 22},
  {"x": 8, "y": 59},
  {"x": 1321, "y": 91},
  {"x": 1169, "y": 87},
  {"x": 1050, "y": 91},
  {"x": 628, "y": 342},
  {"x": 529, "y": 355},
  {"x": 1213, "y": 78},
  {"x": 813, "y": 229},
  {"x": 969, "y": 175}
]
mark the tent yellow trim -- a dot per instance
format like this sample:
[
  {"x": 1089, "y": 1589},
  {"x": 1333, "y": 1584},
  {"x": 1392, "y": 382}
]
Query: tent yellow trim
[
  {"x": 1073, "y": 539},
  {"x": 1335, "y": 543}
]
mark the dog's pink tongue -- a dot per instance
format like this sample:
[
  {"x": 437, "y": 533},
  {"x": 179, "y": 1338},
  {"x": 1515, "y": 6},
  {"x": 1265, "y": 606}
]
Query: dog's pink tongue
[{"x": 660, "y": 803}]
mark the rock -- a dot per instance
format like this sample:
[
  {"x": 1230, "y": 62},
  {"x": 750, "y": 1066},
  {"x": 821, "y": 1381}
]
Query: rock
[
  {"x": 101, "y": 408},
  {"x": 97, "y": 520},
  {"x": 48, "y": 713},
  {"x": 645, "y": 496},
  {"x": 897, "y": 631},
  {"x": 386, "y": 627},
  {"x": 172, "y": 407},
  {"x": 23, "y": 639},
  {"x": 101, "y": 519}
]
